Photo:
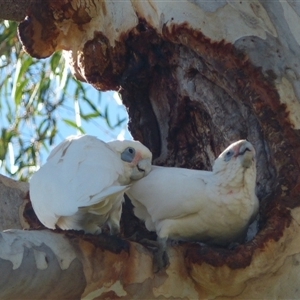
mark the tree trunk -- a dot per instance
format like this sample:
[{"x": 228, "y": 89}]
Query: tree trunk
[
  {"x": 16, "y": 10},
  {"x": 195, "y": 76}
]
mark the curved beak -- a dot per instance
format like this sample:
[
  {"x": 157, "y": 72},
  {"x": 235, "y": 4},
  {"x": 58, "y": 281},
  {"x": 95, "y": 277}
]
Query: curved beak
[
  {"x": 145, "y": 165},
  {"x": 142, "y": 169},
  {"x": 246, "y": 150}
]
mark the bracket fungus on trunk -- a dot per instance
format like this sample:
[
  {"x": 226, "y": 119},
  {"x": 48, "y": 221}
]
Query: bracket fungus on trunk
[{"x": 195, "y": 76}]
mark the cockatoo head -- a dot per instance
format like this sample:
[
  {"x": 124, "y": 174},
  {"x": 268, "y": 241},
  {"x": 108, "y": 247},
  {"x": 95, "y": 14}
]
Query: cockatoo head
[
  {"x": 135, "y": 156},
  {"x": 240, "y": 154}
]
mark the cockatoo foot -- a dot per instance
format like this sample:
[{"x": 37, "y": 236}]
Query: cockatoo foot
[
  {"x": 160, "y": 256},
  {"x": 150, "y": 244},
  {"x": 160, "y": 261},
  {"x": 114, "y": 230}
]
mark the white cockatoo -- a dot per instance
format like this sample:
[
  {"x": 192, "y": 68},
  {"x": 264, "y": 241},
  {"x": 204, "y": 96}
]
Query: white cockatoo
[
  {"x": 82, "y": 184},
  {"x": 190, "y": 205}
]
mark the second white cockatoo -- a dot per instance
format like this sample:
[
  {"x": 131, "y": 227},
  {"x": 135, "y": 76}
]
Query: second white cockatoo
[
  {"x": 82, "y": 184},
  {"x": 213, "y": 207}
]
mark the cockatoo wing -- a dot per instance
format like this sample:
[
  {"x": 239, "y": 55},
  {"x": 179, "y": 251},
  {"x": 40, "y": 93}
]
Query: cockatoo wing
[
  {"x": 57, "y": 189},
  {"x": 169, "y": 192}
]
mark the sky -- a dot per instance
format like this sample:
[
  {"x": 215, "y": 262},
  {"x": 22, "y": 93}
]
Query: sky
[
  {"x": 20, "y": 74},
  {"x": 97, "y": 127}
]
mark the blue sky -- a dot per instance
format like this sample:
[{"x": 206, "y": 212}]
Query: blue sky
[
  {"x": 100, "y": 128},
  {"x": 42, "y": 85},
  {"x": 96, "y": 127}
]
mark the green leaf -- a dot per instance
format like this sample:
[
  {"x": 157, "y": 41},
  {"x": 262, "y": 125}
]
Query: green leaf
[
  {"x": 107, "y": 117},
  {"x": 34, "y": 94},
  {"x": 92, "y": 106},
  {"x": 88, "y": 117},
  {"x": 74, "y": 125},
  {"x": 19, "y": 91},
  {"x": 120, "y": 122},
  {"x": 55, "y": 62}
]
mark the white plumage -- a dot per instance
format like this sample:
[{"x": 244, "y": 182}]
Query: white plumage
[
  {"x": 82, "y": 184},
  {"x": 212, "y": 207}
]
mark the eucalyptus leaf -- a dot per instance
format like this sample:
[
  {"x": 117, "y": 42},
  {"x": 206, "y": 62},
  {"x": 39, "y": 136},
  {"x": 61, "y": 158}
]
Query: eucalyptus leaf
[{"x": 38, "y": 98}]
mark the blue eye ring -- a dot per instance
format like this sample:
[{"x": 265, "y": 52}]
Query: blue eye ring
[
  {"x": 228, "y": 155},
  {"x": 128, "y": 154}
]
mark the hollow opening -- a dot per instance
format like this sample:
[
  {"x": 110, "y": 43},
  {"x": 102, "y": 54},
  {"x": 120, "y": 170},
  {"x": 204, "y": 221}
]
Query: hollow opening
[{"x": 190, "y": 100}]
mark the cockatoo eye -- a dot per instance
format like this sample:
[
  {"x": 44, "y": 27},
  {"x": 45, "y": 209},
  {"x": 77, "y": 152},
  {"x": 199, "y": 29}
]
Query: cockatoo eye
[
  {"x": 128, "y": 154},
  {"x": 228, "y": 155}
]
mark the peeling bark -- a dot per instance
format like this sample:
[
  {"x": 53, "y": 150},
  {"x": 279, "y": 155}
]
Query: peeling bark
[
  {"x": 194, "y": 76},
  {"x": 12, "y": 195},
  {"x": 39, "y": 266},
  {"x": 70, "y": 265}
]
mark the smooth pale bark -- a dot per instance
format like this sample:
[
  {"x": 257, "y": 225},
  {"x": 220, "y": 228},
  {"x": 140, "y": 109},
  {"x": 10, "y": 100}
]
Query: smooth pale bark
[
  {"x": 195, "y": 76},
  {"x": 12, "y": 202},
  {"x": 42, "y": 264}
]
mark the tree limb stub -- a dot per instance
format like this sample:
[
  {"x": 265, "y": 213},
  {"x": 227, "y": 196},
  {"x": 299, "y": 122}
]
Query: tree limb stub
[
  {"x": 196, "y": 76},
  {"x": 39, "y": 265},
  {"x": 51, "y": 265}
]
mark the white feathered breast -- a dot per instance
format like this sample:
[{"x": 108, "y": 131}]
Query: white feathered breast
[
  {"x": 214, "y": 207},
  {"x": 82, "y": 184}
]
